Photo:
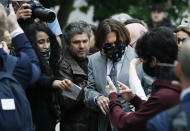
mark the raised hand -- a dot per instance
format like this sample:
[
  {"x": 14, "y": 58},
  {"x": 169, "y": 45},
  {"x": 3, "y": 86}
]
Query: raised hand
[
  {"x": 125, "y": 92},
  {"x": 24, "y": 12},
  {"x": 111, "y": 87},
  {"x": 12, "y": 20},
  {"x": 136, "y": 61}
]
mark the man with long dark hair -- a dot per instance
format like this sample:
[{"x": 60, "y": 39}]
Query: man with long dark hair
[{"x": 113, "y": 59}]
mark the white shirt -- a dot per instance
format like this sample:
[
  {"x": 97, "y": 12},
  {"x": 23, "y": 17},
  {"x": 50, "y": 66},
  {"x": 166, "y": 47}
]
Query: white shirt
[
  {"x": 184, "y": 92},
  {"x": 136, "y": 87},
  {"x": 118, "y": 65}
]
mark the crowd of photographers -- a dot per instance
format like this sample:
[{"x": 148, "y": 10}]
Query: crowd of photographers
[{"x": 132, "y": 75}]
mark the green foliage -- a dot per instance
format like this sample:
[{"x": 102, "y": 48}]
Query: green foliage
[{"x": 137, "y": 8}]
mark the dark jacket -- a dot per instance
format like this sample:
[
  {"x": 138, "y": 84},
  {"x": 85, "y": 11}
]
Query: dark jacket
[
  {"x": 162, "y": 122},
  {"x": 163, "y": 97},
  {"x": 44, "y": 103},
  {"x": 27, "y": 69},
  {"x": 165, "y": 22},
  {"x": 75, "y": 113},
  {"x": 26, "y": 72}
]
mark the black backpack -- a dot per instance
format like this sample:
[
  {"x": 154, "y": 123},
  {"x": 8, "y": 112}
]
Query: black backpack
[{"x": 15, "y": 113}]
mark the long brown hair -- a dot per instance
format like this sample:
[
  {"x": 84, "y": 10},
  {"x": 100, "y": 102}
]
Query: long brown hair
[{"x": 110, "y": 25}]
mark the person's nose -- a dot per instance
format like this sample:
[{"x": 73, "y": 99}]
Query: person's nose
[
  {"x": 81, "y": 45},
  {"x": 46, "y": 45},
  {"x": 180, "y": 44}
]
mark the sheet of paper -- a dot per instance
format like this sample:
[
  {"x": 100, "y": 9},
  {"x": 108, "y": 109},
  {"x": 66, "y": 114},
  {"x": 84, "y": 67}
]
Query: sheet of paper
[{"x": 75, "y": 92}]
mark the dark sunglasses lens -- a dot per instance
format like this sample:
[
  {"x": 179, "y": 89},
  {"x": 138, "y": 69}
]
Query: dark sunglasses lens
[{"x": 107, "y": 45}]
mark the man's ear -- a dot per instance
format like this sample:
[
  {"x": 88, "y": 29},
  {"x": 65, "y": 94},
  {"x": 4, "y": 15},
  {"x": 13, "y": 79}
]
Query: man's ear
[
  {"x": 178, "y": 71},
  {"x": 153, "y": 62}
]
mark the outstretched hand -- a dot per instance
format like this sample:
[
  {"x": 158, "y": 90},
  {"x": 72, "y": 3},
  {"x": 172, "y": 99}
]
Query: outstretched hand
[
  {"x": 111, "y": 87},
  {"x": 62, "y": 84},
  {"x": 125, "y": 92}
]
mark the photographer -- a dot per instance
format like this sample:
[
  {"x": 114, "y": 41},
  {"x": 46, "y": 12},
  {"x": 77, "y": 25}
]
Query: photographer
[
  {"x": 16, "y": 74},
  {"x": 155, "y": 48}
]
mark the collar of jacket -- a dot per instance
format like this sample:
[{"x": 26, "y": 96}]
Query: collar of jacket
[
  {"x": 158, "y": 84},
  {"x": 74, "y": 65}
]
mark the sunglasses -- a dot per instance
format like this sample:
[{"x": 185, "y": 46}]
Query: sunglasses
[
  {"x": 181, "y": 40},
  {"x": 109, "y": 45}
]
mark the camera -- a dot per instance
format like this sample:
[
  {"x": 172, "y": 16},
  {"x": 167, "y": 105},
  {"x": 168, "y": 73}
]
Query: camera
[{"x": 38, "y": 11}]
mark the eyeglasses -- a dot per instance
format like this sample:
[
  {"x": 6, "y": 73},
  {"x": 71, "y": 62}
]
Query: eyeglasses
[
  {"x": 185, "y": 22},
  {"x": 181, "y": 40}
]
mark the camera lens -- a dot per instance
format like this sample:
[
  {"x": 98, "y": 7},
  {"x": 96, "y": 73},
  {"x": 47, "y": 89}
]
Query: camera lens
[
  {"x": 50, "y": 16},
  {"x": 44, "y": 14}
]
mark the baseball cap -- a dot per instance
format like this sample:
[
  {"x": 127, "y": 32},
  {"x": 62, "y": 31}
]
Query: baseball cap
[{"x": 158, "y": 7}]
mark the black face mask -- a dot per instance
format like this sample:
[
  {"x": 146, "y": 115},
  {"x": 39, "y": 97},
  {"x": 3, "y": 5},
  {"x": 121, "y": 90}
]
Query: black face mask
[
  {"x": 149, "y": 70},
  {"x": 46, "y": 54},
  {"x": 114, "y": 53}
]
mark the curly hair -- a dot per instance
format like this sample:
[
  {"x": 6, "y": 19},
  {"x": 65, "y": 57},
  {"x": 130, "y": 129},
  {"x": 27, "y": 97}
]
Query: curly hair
[
  {"x": 54, "y": 46},
  {"x": 110, "y": 25},
  {"x": 160, "y": 43}
]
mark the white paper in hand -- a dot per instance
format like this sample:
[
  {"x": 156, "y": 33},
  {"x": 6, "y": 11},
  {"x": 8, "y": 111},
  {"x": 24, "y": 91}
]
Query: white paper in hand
[{"x": 75, "y": 92}]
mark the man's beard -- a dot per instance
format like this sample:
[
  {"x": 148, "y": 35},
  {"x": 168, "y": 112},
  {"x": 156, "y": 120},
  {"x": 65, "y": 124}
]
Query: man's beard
[
  {"x": 149, "y": 70},
  {"x": 76, "y": 57}
]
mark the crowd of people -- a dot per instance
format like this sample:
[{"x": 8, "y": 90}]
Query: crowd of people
[{"x": 131, "y": 75}]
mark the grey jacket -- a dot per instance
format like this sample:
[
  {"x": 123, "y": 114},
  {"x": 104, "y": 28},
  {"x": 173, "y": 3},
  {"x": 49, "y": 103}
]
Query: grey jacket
[{"x": 97, "y": 68}]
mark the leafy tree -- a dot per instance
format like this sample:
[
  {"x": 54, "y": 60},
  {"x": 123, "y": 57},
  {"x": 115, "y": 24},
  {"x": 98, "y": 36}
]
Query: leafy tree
[{"x": 136, "y": 8}]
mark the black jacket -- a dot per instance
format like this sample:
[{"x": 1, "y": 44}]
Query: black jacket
[
  {"x": 44, "y": 103},
  {"x": 165, "y": 22}
]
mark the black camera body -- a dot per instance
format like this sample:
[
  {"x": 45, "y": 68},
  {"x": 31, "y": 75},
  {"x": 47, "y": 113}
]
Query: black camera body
[{"x": 39, "y": 11}]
